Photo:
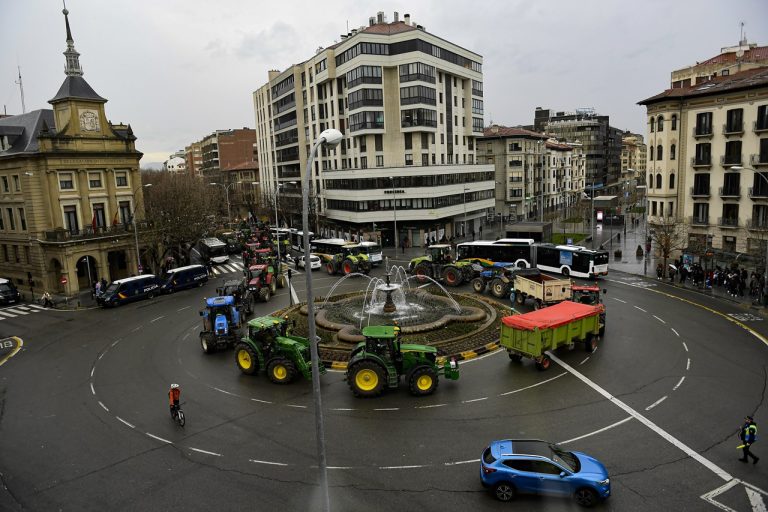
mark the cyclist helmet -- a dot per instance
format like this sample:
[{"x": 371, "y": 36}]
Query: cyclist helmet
[{"x": 174, "y": 386}]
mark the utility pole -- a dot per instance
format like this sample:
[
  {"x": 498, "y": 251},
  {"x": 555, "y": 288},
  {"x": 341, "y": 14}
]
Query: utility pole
[{"x": 21, "y": 88}]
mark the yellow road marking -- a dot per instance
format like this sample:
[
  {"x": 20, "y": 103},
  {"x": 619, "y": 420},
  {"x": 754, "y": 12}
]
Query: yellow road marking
[{"x": 19, "y": 344}]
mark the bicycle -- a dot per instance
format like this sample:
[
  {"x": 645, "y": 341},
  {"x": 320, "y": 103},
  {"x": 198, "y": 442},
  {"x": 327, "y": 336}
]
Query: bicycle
[{"x": 177, "y": 415}]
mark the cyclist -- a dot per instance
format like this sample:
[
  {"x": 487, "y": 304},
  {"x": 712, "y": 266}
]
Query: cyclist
[{"x": 174, "y": 394}]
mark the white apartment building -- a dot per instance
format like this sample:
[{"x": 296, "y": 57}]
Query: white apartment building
[{"x": 410, "y": 106}]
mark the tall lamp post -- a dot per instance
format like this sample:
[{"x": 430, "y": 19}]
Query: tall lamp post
[
  {"x": 464, "y": 200},
  {"x": 394, "y": 208},
  {"x": 226, "y": 190},
  {"x": 765, "y": 269},
  {"x": 328, "y": 138},
  {"x": 135, "y": 230}
]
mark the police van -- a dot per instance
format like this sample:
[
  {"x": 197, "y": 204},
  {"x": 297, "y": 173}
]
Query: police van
[
  {"x": 8, "y": 292},
  {"x": 129, "y": 289},
  {"x": 184, "y": 277}
]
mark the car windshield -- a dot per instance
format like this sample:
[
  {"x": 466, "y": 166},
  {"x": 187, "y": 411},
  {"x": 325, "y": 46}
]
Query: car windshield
[
  {"x": 565, "y": 459},
  {"x": 112, "y": 288},
  {"x": 5, "y": 288}
]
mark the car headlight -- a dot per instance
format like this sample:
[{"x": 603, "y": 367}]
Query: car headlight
[{"x": 605, "y": 482}]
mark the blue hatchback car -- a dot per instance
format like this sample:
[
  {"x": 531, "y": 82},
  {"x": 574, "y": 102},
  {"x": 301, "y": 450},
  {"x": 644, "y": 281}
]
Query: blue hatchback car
[{"x": 532, "y": 466}]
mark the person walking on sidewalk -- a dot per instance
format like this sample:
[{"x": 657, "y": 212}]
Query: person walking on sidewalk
[
  {"x": 748, "y": 435},
  {"x": 659, "y": 271}
]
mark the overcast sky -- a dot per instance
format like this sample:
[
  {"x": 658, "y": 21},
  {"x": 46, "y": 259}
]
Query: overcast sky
[{"x": 176, "y": 70}]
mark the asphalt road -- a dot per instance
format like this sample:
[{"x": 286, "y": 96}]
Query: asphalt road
[{"x": 84, "y": 419}]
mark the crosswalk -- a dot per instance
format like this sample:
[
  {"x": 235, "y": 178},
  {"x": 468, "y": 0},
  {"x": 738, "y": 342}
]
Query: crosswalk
[
  {"x": 20, "y": 310},
  {"x": 228, "y": 268}
]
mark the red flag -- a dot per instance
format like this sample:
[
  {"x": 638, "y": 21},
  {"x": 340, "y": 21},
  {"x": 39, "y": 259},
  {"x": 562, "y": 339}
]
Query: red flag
[
  {"x": 114, "y": 219},
  {"x": 93, "y": 221}
]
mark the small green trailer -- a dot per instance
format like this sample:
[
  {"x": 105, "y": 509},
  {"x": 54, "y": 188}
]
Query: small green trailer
[{"x": 564, "y": 324}]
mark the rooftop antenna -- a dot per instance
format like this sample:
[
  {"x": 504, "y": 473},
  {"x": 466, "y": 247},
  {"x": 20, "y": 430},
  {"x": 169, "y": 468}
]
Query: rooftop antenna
[
  {"x": 21, "y": 88},
  {"x": 741, "y": 38}
]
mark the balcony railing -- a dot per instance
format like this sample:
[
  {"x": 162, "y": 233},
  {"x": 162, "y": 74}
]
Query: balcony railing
[
  {"x": 729, "y": 160},
  {"x": 728, "y": 222},
  {"x": 761, "y": 159},
  {"x": 758, "y": 192},
  {"x": 88, "y": 233},
  {"x": 734, "y": 192},
  {"x": 702, "y": 131},
  {"x": 733, "y": 128},
  {"x": 759, "y": 126},
  {"x": 698, "y": 220},
  {"x": 705, "y": 161},
  {"x": 758, "y": 223},
  {"x": 700, "y": 191}
]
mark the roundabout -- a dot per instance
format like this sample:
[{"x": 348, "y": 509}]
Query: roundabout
[{"x": 622, "y": 403}]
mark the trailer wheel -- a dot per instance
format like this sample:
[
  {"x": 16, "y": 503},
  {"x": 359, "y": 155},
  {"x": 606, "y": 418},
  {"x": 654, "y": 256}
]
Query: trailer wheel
[
  {"x": 206, "y": 343},
  {"x": 452, "y": 276},
  {"x": 544, "y": 363},
  {"x": 602, "y": 330},
  {"x": 499, "y": 288},
  {"x": 515, "y": 357},
  {"x": 423, "y": 381},
  {"x": 281, "y": 370},
  {"x": 366, "y": 379},
  {"x": 590, "y": 343},
  {"x": 520, "y": 298},
  {"x": 537, "y": 305},
  {"x": 246, "y": 359},
  {"x": 478, "y": 284}
]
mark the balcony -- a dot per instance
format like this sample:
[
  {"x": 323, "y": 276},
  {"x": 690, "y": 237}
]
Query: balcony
[
  {"x": 698, "y": 220},
  {"x": 760, "y": 126},
  {"x": 758, "y": 192},
  {"x": 88, "y": 233},
  {"x": 757, "y": 223},
  {"x": 702, "y": 131},
  {"x": 728, "y": 222},
  {"x": 730, "y": 160},
  {"x": 756, "y": 160},
  {"x": 702, "y": 191},
  {"x": 733, "y": 128},
  {"x": 701, "y": 161},
  {"x": 729, "y": 192}
]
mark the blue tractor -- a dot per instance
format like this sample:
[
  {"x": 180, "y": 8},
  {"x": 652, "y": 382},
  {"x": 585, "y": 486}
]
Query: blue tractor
[{"x": 221, "y": 323}]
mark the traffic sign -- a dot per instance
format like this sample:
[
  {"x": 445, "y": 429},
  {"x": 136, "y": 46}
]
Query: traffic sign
[
  {"x": 63, "y": 279},
  {"x": 141, "y": 269}
]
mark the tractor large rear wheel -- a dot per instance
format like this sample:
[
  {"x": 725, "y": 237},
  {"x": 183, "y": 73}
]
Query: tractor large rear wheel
[
  {"x": 423, "y": 381},
  {"x": 348, "y": 267},
  {"x": 422, "y": 270},
  {"x": 281, "y": 280},
  {"x": 246, "y": 359},
  {"x": 330, "y": 268},
  {"x": 273, "y": 285},
  {"x": 452, "y": 276},
  {"x": 366, "y": 379},
  {"x": 499, "y": 288},
  {"x": 281, "y": 370},
  {"x": 478, "y": 284}
]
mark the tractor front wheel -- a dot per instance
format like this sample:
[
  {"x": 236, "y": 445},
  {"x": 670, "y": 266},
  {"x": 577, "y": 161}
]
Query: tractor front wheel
[
  {"x": 246, "y": 359},
  {"x": 347, "y": 267},
  {"x": 273, "y": 286},
  {"x": 452, "y": 276},
  {"x": 423, "y": 381},
  {"x": 422, "y": 271},
  {"x": 330, "y": 268},
  {"x": 265, "y": 294},
  {"x": 281, "y": 281},
  {"x": 478, "y": 284},
  {"x": 366, "y": 379},
  {"x": 281, "y": 370},
  {"x": 207, "y": 343},
  {"x": 499, "y": 288}
]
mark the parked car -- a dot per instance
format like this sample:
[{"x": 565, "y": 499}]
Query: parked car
[
  {"x": 532, "y": 466},
  {"x": 8, "y": 292},
  {"x": 314, "y": 262}
]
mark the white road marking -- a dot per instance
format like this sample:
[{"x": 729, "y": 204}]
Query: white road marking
[
  {"x": 156, "y": 319},
  {"x": 648, "y": 423},
  {"x": 9, "y": 315},
  {"x": 36, "y": 306},
  {"x": 205, "y": 452},
  {"x": 93, "y": 391},
  {"x": 684, "y": 346},
  {"x": 185, "y": 336},
  {"x": 123, "y": 421},
  {"x": 431, "y": 406},
  {"x": 136, "y": 329},
  {"x": 461, "y": 462},
  {"x": 339, "y": 467},
  {"x": 708, "y": 497},
  {"x": 416, "y": 466},
  {"x": 225, "y": 392},
  {"x": 754, "y": 495},
  {"x": 261, "y": 401},
  {"x": 688, "y": 364},
  {"x": 585, "y": 360},
  {"x": 24, "y": 308},
  {"x": 342, "y": 409},
  {"x": 158, "y": 438},
  {"x": 267, "y": 462},
  {"x": 103, "y": 406},
  {"x": 659, "y": 319},
  {"x": 619, "y": 300},
  {"x": 612, "y": 425},
  {"x": 533, "y": 385},
  {"x": 296, "y": 406},
  {"x": 115, "y": 343},
  {"x": 657, "y": 402},
  {"x": 182, "y": 309},
  {"x": 294, "y": 296},
  {"x": 101, "y": 355},
  {"x": 756, "y": 500},
  {"x": 194, "y": 327},
  {"x": 676, "y": 333},
  {"x": 93, "y": 369},
  {"x": 678, "y": 383},
  {"x": 474, "y": 400},
  {"x": 388, "y": 409},
  {"x": 641, "y": 309}
]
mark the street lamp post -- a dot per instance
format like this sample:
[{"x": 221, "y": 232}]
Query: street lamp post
[
  {"x": 394, "y": 208},
  {"x": 464, "y": 200},
  {"x": 135, "y": 230},
  {"x": 765, "y": 269},
  {"x": 226, "y": 190},
  {"x": 329, "y": 138}
]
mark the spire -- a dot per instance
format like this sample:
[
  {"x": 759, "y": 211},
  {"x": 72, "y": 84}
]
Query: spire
[{"x": 73, "y": 58}]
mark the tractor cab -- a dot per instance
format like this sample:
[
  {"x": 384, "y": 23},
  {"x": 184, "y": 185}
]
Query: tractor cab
[
  {"x": 589, "y": 295},
  {"x": 440, "y": 253},
  {"x": 255, "y": 275},
  {"x": 350, "y": 250},
  {"x": 220, "y": 315},
  {"x": 383, "y": 340},
  {"x": 267, "y": 328}
]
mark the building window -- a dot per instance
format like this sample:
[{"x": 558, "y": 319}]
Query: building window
[
  {"x": 379, "y": 161},
  {"x": 22, "y": 219},
  {"x": 704, "y": 123},
  {"x": 659, "y": 152},
  {"x": 409, "y": 159},
  {"x": 408, "y": 141},
  {"x": 653, "y": 125},
  {"x": 125, "y": 211},
  {"x": 672, "y": 151},
  {"x": 16, "y": 183},
  {"x": 653, "y": 208},
  {"x": 99, "y": 219},
  {"x": 70, "y": 219},
  {"x": 121, "y": 178},
  {"x": 762, "y": 118},
  {"x": 6, "y": 188},
  {"x": 378, "y": 142},
  {"x": 2, "y": 221},
  {"x": 672, "y": 181},
  {"x": 425, "y": 159},
  {"x": 650, "y": 153},
  {"x": 66, "y": 181},
  {"x": 363, "y": 162},
  {"x": 703, "y": 154},
  {"x": 734, "y": 120},
  {"x": 27, "y": 255},
  {"x": 94, "y": 180},
  {"x": 674, "y": 122},
  {"x": 11, "y": 219},
  {"x": 658, "y": 180},
  {"x": 732, "y": 152},
  {"x": 660, "y": 124}
]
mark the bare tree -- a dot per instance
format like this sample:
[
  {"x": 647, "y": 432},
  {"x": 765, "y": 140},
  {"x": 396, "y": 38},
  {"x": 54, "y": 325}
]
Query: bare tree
[
  {"x": 668, "y": 236},
  {"x": 178, "y": 211}
]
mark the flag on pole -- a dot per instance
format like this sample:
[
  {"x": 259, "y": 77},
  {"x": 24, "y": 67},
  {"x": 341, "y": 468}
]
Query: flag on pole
[
  {"x": 93, "y": 221},
  {"x": 114, "y": 219}
]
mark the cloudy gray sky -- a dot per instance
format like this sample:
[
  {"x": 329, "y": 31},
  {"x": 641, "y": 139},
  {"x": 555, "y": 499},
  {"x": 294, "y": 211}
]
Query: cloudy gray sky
[{"x": 180, "y": 69}]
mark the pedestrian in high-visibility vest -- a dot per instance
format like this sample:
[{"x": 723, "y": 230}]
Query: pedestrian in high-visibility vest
[{"x": 748, "y": 435}]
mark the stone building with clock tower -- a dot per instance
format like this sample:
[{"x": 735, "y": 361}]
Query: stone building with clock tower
[{"x": 70, "y": 191}]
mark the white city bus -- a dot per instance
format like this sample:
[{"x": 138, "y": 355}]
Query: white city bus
[{"x": 571, "y": 260}]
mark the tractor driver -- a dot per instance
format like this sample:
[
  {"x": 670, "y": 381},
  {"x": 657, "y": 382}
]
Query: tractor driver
[{"x": 174, "y": 395}]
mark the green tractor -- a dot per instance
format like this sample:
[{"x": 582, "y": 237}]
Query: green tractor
[
  {"x": 268, "y": 346},
  {"x": 349, "y": 259},
  {"x": 438, "y": 263},
  {"x": 381, "y": 360}
]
